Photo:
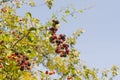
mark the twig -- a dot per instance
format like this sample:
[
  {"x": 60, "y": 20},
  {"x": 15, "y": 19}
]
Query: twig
[{"x": 20, "y": 39}]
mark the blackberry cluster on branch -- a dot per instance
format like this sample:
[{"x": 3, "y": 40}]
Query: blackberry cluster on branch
[{"x": 60, "y": 41}]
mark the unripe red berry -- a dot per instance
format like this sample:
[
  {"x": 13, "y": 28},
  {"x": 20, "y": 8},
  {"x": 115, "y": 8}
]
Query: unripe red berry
[
  {"x": 19, "y": 56},
  {"x": 23, "y": 56},
  {"x": 51, "y": 72},
  {"x": 57, "y": 50},
  {"x": 22, "y": 65},
  {"x": 9, "y": 56},
  {"x": 0, "y": 32},
  {"x": 53, "y": 21},
  {"x": 67, "y": 51},
  {"x": 61, "y": 55},
  {"x": 1, "y": 42},
  {"x": 55, "y": 29},
  {"x": 61, "y": 35},
  {"x": 13, "y": 54},
  {"x": 14, "y": 58},
  {"x": 4, "y": 10},
  {"x": 2, "y": 58},
  {"x": 26, "y": 62},
  {"x": 18, "y": 60},
  {"x": 69, "y": 78},
  {"x": 13, "y": 32},
  {"x": 28, "y": 68},
  {"x": 21, "y": 19},
  {"x": 65, "y": 45}
]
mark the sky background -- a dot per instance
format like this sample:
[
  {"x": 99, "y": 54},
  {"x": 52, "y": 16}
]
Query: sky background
[{"x": 100, "y": 44}]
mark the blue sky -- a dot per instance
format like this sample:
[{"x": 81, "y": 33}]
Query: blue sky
[{"x": 100, "y": 44}]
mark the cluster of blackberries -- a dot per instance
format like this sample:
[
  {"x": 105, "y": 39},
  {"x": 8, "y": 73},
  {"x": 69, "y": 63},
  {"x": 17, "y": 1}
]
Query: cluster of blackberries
[
  {"x": 62, "y": 47},
  {"x": 22, "y": 60}
]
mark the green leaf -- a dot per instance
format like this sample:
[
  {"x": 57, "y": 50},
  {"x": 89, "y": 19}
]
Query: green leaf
[
  {"x": 29, "y": 38},
  {"x": 39, "y": 58},
  {"x": 61, "y": 78},
  {"x": 32, "y": 29},
  {"x": 77, "y": 78},
  {"x": 51, "y": 67},
  {"x": 32, "y": 3},
  {"x": 49, "y": 3},
  {"x": 67, "y": 11},
  {"x": 28, "y": 51},
  {"x": 80, "y": 11},
  {"x": 64, "y": 19},
  {"x": 28, "y": 14}
]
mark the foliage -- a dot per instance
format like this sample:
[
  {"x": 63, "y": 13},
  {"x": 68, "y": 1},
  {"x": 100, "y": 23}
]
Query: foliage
[{"x": 26, "y": 43}]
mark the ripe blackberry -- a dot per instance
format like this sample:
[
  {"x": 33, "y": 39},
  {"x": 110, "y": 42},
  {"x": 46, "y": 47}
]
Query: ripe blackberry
[
  {"x": 16, "y": 53},
  {"x": 67, "y": 51},
  {"x": 56, "y": 22},
  {"x": 22, "y": 68},
  {"x": 23, "y": 61},
  {"x": 58, "y": 41},
  {"x": 65, "y": 45},
  {"x": 27, "y": 58},
  {"x": 51, "y": 29},
  {"x": 29, "y": 64},
  {"x": 64, "y": 55}
]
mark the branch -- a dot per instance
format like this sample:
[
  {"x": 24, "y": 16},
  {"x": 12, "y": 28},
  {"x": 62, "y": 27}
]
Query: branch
[
  {"x": 22, "y": 36},
  {"x": 20, "y": 39}
]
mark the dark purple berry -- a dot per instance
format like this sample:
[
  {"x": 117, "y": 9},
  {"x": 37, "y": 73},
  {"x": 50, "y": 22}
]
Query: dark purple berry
[
  {"x": 53, "y": 21},
  {"x": 29, "y": 64},
  {"x": 55, "y": 29},
  {"x": 62, "y": 47},
  {"x": 62, "y": 36},
  {"x": 64, "y": 55},
  {"x": 67, "y": 51},
  {"x": 27, "y": 58},
  {"x": 22, "y": 68},
  {"x": 65, "y": 45},
  {"x": 16, "y": 53},
  {"x": 57, "y": 50},
  {"x": 51, "y": 29},
  {"x": 23, "y": 61},
  {"x": 58, "y": 41},
  {"x": 56, "y": 22}
]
